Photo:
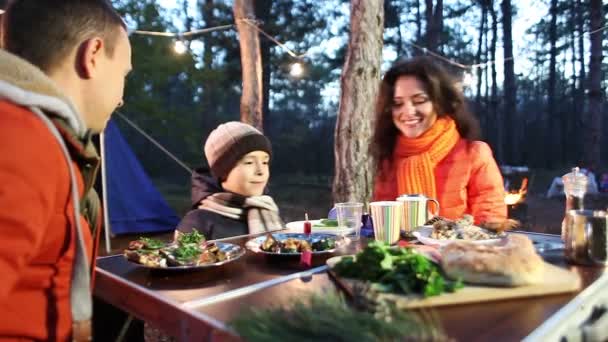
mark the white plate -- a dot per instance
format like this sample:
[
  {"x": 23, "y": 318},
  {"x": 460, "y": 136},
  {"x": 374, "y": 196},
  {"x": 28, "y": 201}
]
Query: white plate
[
  {"x": 423, "y": 234},
  {"x": 298, "y": 227}
]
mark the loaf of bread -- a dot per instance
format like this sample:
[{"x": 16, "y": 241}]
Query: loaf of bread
[{"x": 511, "y": 262}]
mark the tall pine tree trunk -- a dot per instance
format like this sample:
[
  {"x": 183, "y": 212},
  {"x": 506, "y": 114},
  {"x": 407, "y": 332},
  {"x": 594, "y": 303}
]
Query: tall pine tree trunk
[
  {"x": 482, "y": 32},
  {"x": 494, "y": 94},
  {"x": 263, "y": 8},
  {"x": 207, "y": 10},
  {"x": 569, "y": 131},
  {"x": 596, "y": 95},
  {"x": 582, "y": 76},
  {"x": 354, "y": 169},
  {"x": 434, "y": 24},
  {"x": 550, "y": 121},
  {"x": 418, "y": 24},
  {"x": 510, "y": 88},
  {"x": 574, "y": 104},
  {"x": 251, "y": 64}
]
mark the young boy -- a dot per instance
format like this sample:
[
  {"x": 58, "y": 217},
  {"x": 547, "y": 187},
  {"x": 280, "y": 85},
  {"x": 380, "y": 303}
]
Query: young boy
[{"x": 231, "y": 200}]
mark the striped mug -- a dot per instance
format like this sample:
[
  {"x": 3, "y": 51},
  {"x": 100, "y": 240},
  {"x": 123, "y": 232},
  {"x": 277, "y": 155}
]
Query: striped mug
[
  {"x": 416, "y": 211},
  {"x": 387, "y": 218}
]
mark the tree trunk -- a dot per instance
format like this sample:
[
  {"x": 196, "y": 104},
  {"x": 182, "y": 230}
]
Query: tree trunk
[
  {"x": 510, "y": 88},
  {"x": 434, "y": 24},
  {"x": 263, "y": 8},
  {"x": 354, "y": 169},
  {"x": 207, "y": 10},
  {"x": 482, "y": 31},
  {"x": 494, "y": 96},
  {"x": 251, "y": 64},
  {"x": 582, "y": 78},
  {"x": 580, "y": 25},
  {"x": 570, "y": 131},
  {"x": 549, "y": 121},
  {"x": 418, "y": 24},
  {"x": 596, "y": 95}
]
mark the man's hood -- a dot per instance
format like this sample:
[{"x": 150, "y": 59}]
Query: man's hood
[{"x": 26, "y": 85}]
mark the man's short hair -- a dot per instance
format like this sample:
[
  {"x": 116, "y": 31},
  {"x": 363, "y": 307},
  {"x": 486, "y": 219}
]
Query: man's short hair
[{"x": 44, "y": 32}]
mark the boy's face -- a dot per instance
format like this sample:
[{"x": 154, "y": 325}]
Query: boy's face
[{"x": 250, "y": 175}]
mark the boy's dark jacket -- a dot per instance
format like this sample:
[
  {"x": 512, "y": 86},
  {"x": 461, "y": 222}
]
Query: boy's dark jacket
[{"x": 210, "y": 224}]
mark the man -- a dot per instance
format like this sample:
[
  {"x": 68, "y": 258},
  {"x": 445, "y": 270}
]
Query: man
[{"x": 61, "y": 77}]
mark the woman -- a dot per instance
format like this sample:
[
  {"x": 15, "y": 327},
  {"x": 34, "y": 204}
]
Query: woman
[
  {"x": 425, "y": 143},
  {"x": 231, "y": 200}
]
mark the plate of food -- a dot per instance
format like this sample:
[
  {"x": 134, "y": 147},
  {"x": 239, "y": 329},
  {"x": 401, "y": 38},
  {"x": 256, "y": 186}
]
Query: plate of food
[
  {"x": 445, "y": 231},
  {"x": 295, "y": 243},
  {"x": 189, "y": 251},
  {"x": 325, "y": 226}
]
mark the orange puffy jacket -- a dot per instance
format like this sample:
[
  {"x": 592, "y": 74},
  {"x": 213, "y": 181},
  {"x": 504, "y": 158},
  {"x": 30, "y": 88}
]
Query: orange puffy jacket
[
  {"x": 37, "y": 230},
  {"x": 468, "y": 181}
]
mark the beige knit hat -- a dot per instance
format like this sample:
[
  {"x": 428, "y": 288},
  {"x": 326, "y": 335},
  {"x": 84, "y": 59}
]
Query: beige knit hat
[{"x": 229, "y": 142}]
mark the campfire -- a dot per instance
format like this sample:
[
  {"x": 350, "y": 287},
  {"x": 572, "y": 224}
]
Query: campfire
[
  {"x": 514, "y": 200},
  {"x": 514, "y": 197}
]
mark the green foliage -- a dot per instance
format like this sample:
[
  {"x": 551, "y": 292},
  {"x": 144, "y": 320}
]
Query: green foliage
[
  {"x": 399, "y": 270},
  {"x": 329, "y": 318},
  {"x": 151, "y": 243},
  {"x": 192, "y": 238},
  {"x": 187, "y": 253},
  {"x": 326, "y": 223}
]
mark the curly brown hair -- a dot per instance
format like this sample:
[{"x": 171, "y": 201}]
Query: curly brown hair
[{"x": 445, "y": 95}]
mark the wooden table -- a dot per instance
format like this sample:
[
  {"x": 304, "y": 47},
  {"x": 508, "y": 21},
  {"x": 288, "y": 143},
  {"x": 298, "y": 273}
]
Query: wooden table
[{"x": 194, "y": 305}]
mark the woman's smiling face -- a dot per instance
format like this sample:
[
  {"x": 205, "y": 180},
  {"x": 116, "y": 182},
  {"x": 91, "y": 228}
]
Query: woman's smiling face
[{"x": 412, "y": 109}]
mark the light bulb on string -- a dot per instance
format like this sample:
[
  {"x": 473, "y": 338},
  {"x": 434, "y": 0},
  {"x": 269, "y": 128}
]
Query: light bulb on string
[
  {"x": 468, "y": 79},
  {"x": 180, "y": 47},
  {"x": 296, "y": 69}
]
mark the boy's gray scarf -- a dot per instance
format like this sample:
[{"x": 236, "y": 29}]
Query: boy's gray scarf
[{"x": 261, "y": 212}]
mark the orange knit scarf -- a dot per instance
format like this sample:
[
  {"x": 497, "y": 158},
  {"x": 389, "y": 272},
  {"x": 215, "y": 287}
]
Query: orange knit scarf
[{"x": 416, "y": 158}]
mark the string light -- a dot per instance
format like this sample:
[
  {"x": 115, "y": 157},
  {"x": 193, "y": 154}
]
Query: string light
[
  {"x": 468, "y": 79},
  {"x": 296, "y": 69},
  {"x": 253, "y": 23},
  {"x": 180, "y": 47}
]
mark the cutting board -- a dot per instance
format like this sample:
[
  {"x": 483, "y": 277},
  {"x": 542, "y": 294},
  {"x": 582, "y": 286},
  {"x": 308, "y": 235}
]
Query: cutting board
[{"x": 556, "y": 280}]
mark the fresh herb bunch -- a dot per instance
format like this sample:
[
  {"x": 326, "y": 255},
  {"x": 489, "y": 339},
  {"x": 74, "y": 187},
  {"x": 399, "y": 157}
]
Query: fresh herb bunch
[
  {"x": 151, "y": 243},
  {"x": 193, "y": 237},
  {"x": 329, "y": 318},
  {"x": 327, "y": 223},
  {"x": 324, "y": 244},
  {"x": 187, "y": 253},
  {"x": 399, "y": 270}
]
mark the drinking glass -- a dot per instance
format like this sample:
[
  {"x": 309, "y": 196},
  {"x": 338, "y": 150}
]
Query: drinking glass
[{"x": 349, "y": 218}]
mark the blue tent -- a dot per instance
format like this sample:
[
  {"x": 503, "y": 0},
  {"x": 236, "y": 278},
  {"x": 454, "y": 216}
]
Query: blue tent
[{"x": 134, "y": 204}]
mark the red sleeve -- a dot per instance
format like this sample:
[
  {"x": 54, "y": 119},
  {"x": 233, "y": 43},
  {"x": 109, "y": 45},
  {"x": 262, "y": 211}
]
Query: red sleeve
[
  {"x": 385, "y": 184},
  {"x": 28, "y": 166},
  {"x": 486, "y": 193}
]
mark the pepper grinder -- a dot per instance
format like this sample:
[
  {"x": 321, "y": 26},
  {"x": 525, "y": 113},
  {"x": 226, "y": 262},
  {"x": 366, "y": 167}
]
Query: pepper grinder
[{"x": 575, "y": 187}]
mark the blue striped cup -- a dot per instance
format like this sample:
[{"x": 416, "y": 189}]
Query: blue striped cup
[
  {"x": 387, "y": 217},
  {"x": 416, "y": 211}
]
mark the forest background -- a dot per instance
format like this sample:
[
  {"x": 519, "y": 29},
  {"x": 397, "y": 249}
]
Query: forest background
[{"x": 534, "y": 104}]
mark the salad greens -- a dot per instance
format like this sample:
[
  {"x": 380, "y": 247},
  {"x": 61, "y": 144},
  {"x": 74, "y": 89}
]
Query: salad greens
[
  {"x": 151, "y": 243},
  {"x": 326, "y": 223},
  {"x": 398, "y": 270},
  {"x": 193, "y": 237},
  {"x": 188, "y": 246},
  {"x": 187, "y": 252}
]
